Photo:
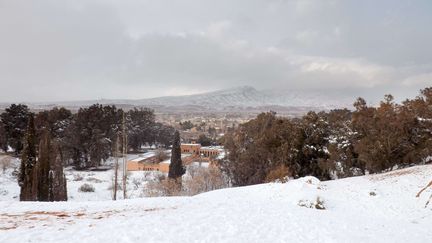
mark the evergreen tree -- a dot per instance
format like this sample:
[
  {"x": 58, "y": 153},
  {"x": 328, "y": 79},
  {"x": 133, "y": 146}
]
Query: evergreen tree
[
  {"x": 186, "y": 125},
  {"x": 140, "y": 125},
  {"x": 89, "y": 137},
  {"x": 336, "y": 144},
  {"x": 260, "y": 147},
  {"x": 15, "y": 119},
  {"x": 176, "y": 168},
  {"x": 43, "y": 168},
  {"x": 313, "y": 136},
  {"x": 48, "y": 173},
  {"x": 3, "y": 138},
  {"x": 28, "y": 162},
  {"x": 57, "y": 179},
  {"x": 163, "y": 134},
  {"x": 204, "y": 140}
]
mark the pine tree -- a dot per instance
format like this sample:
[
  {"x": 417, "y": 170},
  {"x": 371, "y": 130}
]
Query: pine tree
[
  {"x": 28, "y": 162},
  {"x": 176, "y": 168},
  {"x": 15, "y": 120},
  {"x": 3, "y": 138}
]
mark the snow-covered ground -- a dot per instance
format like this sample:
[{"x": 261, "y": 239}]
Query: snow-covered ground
[
  {"x": 102, "y": 181},
  {"x": 374, "y": 208}
]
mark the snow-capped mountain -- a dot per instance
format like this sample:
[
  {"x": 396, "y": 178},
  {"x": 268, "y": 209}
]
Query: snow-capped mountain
[
  {"x": 243, "y": 98},
  {"x": 247, "y": 96}
]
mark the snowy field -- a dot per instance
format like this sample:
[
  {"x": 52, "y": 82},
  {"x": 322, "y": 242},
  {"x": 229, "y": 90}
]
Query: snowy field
[
  {"x": 376, "y": 208},
  {"x": 102, "y": 181}
]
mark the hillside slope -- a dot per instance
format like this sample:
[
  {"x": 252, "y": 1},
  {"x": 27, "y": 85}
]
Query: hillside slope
[
  {"x": 233, "y": 99},
  {"x": 376, "y": 208}
]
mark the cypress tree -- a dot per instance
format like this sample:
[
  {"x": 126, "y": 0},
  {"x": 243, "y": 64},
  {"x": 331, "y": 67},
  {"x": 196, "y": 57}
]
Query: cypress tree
[
  {"x": 51, "y": 186},
  {"x": 176, "y": 168},
  {"x": 51, "y": 180},
  {"x": 58, "y": 186},
  {"x": 28, "y": 161},
  {"x": 44, "y": 167}
]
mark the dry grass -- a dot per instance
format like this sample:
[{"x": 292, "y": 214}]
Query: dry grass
[
  {"x": 279, "y": 174},
  {"x": 396, "y": 173},
  {"x": 31, "y": 219}
]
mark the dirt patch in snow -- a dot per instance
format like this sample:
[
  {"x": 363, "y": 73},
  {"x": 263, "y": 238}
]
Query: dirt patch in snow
[
  {"x": 50, "y": 218},
  {"x": 396, "y": 173}
]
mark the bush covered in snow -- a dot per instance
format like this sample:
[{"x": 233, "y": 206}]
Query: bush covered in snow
[
  {"x": 317, "y": 204},
  {"x": 5, "y": 163},
  {"x": 78, "y": 177},
  {"x": 86, "y": 188}
]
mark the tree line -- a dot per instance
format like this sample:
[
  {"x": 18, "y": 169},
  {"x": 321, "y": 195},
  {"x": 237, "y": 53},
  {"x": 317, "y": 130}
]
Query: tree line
[
  {"x": 335, "y": 144},
  {"x": 86, "y": 138}
]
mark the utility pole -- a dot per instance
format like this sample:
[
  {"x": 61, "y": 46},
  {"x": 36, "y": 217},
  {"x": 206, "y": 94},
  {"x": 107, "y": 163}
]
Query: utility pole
[{"x": 125, "y": 144}]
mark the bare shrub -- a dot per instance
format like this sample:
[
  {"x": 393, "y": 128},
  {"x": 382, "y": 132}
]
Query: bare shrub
[
  {"x": 137, "y": 182},
  {"x": 279, "y": 174},
  {"x": 203, "y": 179},
  {"x": 164, "y": 187},
  {"x": 78, "y": 177},
  {"x": 3, "y": 192},
  {"x": 161, "y": 155},
  {"x": 5, "y": 163},
  {"x": 198, "y": 180},
  {"x": 86, "y": 188}
]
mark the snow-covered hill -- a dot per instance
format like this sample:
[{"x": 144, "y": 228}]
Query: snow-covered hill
[
  {"x": 247, "y": 96},
  {"x": 234, "y": 99},
  {"x": 375, "y": 208},
  {"x": 240, "y": 96}
]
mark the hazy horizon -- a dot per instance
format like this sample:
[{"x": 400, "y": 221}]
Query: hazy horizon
[{"x": 90, "y": 50}]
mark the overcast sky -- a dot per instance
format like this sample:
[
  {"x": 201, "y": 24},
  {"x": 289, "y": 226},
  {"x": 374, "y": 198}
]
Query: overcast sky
[{"x": 91, "y": 49}]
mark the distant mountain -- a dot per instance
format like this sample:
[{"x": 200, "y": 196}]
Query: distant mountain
[
  {"x": 238, "y": 99},
  {"x": 244, "y": 96},
  {"x": 247, "y": 96}
]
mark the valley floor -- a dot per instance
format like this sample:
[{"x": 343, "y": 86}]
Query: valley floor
[{"x": 375, "y": 208}]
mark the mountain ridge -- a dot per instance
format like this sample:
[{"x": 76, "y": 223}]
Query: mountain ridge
[{"x": 232, "y": 99}]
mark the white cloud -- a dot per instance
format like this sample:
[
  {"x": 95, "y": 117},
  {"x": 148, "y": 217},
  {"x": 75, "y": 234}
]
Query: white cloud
[
  {"x": 218, "y": 29},
  {"x": 424, "y": 79}
]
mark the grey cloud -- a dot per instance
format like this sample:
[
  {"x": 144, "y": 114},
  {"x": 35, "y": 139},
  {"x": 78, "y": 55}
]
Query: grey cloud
[{"x": 65, "y": 50}]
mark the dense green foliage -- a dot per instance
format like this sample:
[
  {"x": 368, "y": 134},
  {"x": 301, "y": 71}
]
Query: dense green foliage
[
  {"x": 86, "y": 138},
  {"x": 14, "y": 122}
]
